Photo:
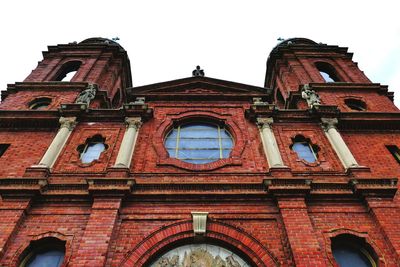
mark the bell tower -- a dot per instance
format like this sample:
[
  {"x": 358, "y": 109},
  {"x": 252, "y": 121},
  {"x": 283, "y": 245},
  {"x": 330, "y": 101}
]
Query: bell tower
[
  {"x": 328, "y": 71},
  {"x": 67, "y": 70}
]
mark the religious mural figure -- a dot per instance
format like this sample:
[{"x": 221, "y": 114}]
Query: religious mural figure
[{"x": 209, "y": 256}]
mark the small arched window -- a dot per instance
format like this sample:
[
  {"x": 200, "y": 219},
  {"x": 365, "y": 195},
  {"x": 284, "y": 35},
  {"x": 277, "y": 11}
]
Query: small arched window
[
  {"x": 199, "y": 143},
  {"x": 48, "y": 251},
  {"x": 304, "y": 149},
  {"x": 350, "y": 251},
  {"x": 92, "y": 149},
  {"x": 355, "y": 104},
  {"x": 68, "y": 71},
  {"x": 39, "y": 103},
  {"x": 327, "y": 72}
]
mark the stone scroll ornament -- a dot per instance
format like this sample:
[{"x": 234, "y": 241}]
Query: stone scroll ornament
[
  {"x": 310, "y": 96},
  {"x": 87, "y": 95},
  {"x": 200, "y": 256}
]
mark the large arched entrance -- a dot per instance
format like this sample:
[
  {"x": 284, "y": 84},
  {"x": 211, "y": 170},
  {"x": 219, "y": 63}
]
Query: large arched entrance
[{"x": 221, "y": 244}]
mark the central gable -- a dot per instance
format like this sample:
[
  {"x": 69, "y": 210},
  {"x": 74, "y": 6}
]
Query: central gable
[{"x": 198, "y": 88}]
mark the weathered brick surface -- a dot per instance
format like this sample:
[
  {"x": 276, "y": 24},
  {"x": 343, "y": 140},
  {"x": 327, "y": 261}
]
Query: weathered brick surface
[
  {"x": 375, "y": 102},
  {"x": 131, "y": 216},
  {"x": 22, "y": 99},
  {"x": 63, "y": 220},
  {"x": 301, "y": 234},
  {"x": 26, "y": 149},
  {"x": 369, "y": 149}
]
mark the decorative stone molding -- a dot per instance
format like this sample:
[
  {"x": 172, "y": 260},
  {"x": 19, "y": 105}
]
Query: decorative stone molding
[
  {"x": 87, "y": 95},
  {"x": 199, "y": 222},
  {"x": 264, "y": 122},
  {"x": 337, "y": 142},
  {"x": 128, "y": 142},
  {"x": 68, "y": 123},
  {"x": 328, "y": 123},
  {"x": 133, "y": 123},
  {"x": 269, "y": 143},
  {"x": 257, "y": 101},
  {"x": 310, "y": 96}
]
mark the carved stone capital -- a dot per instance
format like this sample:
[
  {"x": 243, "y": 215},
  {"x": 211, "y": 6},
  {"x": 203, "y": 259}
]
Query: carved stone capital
[
  {"x": 264, "y": 122},
  {"x": 258, "y": 101},
  {"x": 328, "y": 123},
  {"x": 134, "y": 122},
  {"x": 69, "y": 122}
]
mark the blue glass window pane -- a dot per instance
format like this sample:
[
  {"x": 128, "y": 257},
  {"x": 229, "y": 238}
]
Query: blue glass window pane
[
  {"x": 227, "y": 143},
  {"x": 224, "y": 134},
  {"x": 52, "y": 258},
  {"x": 173, "y": 134},
  {"x": 225, "y": 153},
  {"x": 198, "y": 154},
  {"x": 198, "y": 143},
  {"x": 199, "y": 134},
  {"x": 92, "y": 152},
  {"x": 304, "y": 151},
  {"x": 170, "y": 142},
  {"x": 350, "y": 257},
  {"x": 171, "y": 152}
]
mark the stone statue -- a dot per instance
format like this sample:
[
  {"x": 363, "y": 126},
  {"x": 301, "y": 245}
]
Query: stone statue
[
  {"x": 310, "y": 96},
  {"x": 87, "y": 95},
  {"x": 198, "y": 72}
]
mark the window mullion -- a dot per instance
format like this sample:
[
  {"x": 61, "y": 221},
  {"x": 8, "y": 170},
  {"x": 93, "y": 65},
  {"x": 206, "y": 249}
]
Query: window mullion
[{"x": 177, "y": 142}]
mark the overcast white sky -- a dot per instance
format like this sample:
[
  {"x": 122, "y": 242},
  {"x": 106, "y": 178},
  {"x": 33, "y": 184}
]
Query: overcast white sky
[{"x": 229, "y": 39}]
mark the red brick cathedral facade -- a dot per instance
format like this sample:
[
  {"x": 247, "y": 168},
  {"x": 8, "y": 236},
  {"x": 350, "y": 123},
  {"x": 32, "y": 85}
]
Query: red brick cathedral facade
[{"x": 199, "y": 172}]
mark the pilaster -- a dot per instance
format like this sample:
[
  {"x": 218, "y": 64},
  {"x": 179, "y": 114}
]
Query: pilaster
[{"x": 98, "y": 232}]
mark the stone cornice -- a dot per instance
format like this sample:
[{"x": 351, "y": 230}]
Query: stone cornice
[
  {"x": 278, "y": 187},
  {"x": 359, "y": 187}
]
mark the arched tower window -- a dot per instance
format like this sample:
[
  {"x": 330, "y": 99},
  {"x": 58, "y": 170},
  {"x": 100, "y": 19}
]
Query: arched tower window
[
  {"x": 349, "y": 250},
  {"x": 68, "y": 71},
  {"x": 327, "y": 72},
  {"x": 39, "y": 103},
  {"x": 48, "y": 251}
]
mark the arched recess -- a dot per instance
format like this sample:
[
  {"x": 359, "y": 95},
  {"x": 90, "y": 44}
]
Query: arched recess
[
  {"x": 182, "y": 232},
  {"x": 67, "y": 239},
  {"x": 68, "y": 71},
  {"x": 328, "y": 236}
]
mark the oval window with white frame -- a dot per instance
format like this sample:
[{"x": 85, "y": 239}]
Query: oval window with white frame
[{"x": 199, "y": 143}]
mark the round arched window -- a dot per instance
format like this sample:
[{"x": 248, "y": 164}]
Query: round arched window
[
  {"x": 350, "y": 251},
  {"x": 355, "y": 104},
  {"x": 48, "y": 251},
  {"x": 199, "y": 143},
  {"x": 40, "y": 103},
  {"x": 200, "y": 255}
]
